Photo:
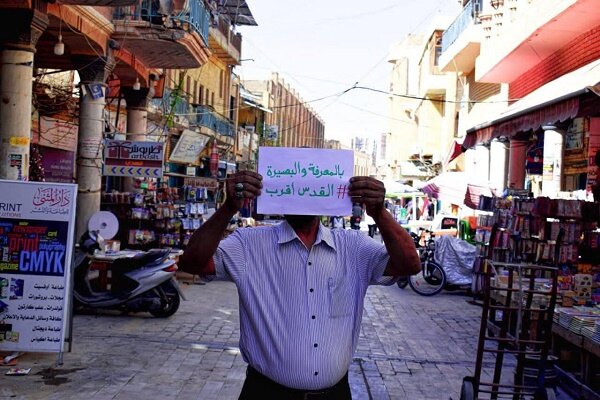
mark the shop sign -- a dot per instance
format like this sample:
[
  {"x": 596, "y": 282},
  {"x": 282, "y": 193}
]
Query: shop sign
[
  {"x": 188, "y": 147},
  {"x": 57, "y": 134},
  {"x": 59, "y": 165},
  {"x": 272, "y": 132},
  {"x": 593, "y": 147},
  {"x": 134, "y": 159},
  {"x": 37, "y": 221}
]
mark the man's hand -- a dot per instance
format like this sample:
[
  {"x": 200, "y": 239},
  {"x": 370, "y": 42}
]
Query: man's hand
[
  {"x": 241, "y": 186},
  {"x": 369, "y": 192}
]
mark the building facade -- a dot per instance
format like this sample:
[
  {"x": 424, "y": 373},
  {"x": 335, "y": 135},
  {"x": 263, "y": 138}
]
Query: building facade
[
  {"x": 293, "y": 123},
  {"x": 125, "y": 60}
]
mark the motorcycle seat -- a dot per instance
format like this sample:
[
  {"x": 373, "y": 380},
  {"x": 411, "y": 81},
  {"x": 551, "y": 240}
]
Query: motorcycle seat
[{"x": 140, "y": 260}]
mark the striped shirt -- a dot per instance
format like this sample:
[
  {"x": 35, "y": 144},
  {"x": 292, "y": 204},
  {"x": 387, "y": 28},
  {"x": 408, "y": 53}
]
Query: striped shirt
[{"x": 300, "y": 310}]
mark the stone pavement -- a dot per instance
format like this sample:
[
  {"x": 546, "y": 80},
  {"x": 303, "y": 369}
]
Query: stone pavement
[{"x": 410, "y": 347}]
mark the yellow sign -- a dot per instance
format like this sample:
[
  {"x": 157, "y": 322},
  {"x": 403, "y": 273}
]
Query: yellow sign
[{"x": 19, "y": 141}]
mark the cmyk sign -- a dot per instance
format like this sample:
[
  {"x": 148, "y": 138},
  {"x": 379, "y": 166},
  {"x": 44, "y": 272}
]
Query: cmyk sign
[{"x": 135, "y": 159}]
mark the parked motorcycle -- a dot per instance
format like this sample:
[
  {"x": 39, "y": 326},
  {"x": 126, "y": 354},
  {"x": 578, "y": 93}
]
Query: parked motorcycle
[{"x": 142, "y": 282}]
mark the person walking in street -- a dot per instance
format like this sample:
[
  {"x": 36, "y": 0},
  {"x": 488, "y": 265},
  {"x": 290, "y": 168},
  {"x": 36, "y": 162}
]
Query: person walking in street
[
  {"x": 301, "y": 288},
  {"x": 337, "y": 222},
  {"x": 371, "y": 225},
  {"x": 356, "y": 217}
]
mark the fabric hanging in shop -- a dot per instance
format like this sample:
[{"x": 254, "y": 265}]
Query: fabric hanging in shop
[{"x": 214, "y": 159}]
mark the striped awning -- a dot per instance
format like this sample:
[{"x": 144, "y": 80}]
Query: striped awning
[{"x": 554, "y": 102}]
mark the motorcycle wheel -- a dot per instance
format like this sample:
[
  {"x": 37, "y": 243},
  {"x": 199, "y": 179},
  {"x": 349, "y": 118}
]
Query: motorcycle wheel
[{"x": 169, "y": 300}]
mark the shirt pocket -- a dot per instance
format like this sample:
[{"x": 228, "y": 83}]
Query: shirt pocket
[{"x": 340, "y": 297}]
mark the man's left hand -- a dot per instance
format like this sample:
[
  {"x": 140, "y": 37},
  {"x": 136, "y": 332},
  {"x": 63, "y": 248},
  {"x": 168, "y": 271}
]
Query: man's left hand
[{"x": 369, "y": 192}]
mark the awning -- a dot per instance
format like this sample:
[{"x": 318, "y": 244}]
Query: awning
[
  {"x": 456, "y": 149},
  {"x": 454, "y": 188},
  {"x": 238, "y": 12},
  {"x": 556, "y": 101},
  {"x": 255, "y": 105}
]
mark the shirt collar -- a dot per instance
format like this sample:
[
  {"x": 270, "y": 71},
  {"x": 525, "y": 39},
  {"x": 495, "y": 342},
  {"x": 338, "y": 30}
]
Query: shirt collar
[{"x": 285, "y": 234}]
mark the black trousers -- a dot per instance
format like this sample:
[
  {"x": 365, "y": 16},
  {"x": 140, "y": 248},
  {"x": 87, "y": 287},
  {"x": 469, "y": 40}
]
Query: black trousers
[{"x": 258, "y": 386}]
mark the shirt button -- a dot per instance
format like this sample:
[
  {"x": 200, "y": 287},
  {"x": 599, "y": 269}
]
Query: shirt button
[
  {"x": 311, "y": 290},
  {"x": 313, "y": 317},
  {"x": 309, "y": 263},
  {"x": 316, "y": 373},
  {"x": 316, "y": 345}
]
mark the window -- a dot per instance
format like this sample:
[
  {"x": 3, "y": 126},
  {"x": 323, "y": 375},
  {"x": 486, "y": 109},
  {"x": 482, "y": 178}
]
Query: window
[
  {"x": 212, "y": 99},
  {"x": 188, "y": 87},
  {"x": 201, "y": 93},
  {"x": 437, "y": 50},
  {"x": 221, "y": 84},
  {"x": 207, "y": 98},
  {"x": 195, "y": 96}
]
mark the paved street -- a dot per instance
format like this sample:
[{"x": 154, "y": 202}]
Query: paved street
[{"x": 411, "y": 347}]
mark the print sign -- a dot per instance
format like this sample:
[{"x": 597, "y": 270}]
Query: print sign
[
  {"x": 304, "y": 181},
  {"x": 36, "y": 243}
]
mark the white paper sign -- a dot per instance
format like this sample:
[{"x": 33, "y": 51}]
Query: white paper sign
[
  {"x": 36, "y": 243},
  {"x": 303, "y": 181}
]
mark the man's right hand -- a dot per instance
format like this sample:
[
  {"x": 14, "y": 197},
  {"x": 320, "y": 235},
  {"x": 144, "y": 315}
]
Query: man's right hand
[{"x": 241, "y": 186}]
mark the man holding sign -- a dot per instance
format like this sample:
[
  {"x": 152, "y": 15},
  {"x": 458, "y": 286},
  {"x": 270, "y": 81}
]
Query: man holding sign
[{"x": 301, "y": 285}]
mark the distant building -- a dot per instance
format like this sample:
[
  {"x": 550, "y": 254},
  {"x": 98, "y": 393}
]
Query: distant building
[{"x": 293, "y": 123}]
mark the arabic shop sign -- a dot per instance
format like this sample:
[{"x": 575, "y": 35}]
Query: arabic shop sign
[
  {"x": 37, "y": 222},
  {"x": 136, "y": 159},
  {"x": 304, "y": 181}
]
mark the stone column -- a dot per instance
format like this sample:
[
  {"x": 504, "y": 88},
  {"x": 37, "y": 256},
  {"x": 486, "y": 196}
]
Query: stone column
[
  {"x": 482, "y": 163},
  {"x": 137, "y": 120},
  {"x": 93, "y": 74},
  {"x": 498, "y": 164},
  {"x": 19, "y": 32},
  {"x": 553, "y": 160},
  {"x": 516, "y": 166}
]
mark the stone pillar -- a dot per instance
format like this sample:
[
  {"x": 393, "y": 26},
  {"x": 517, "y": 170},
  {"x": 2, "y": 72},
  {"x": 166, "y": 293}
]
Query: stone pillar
[
  {"x": 19, "y": 32},
  {"x": 498, "y": 164},
  {"x": 482, "y": 163},
  {"x": 553, "y": 160},
  {"x": 93, "y": 73},
  {"x": 137, "y": 120},
  {"x": 516, "y": 166}
]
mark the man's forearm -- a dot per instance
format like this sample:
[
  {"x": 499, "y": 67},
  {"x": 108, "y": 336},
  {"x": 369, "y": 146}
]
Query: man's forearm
[
  {"x": 404, "y": 259},
  {"x": 204, "y": 242}
]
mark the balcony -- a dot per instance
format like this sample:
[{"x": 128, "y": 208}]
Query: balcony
[
  {"x": 224, "y": 43},
  {"x": 165, "y": 34},
  {"x": 522, "y": 34},
  {"x": 461, "y": 40},
  {"x": 208, "y": 118}
]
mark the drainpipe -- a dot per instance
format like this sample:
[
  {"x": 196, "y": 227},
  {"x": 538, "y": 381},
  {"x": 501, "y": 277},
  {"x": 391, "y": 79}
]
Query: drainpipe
[
  {"x": 93, "y": 73},
  {"x": 16, "y": 72}
]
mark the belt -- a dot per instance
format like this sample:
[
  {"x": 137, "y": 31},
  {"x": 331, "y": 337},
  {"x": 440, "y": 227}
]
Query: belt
[{"x": 280, "y": 391}]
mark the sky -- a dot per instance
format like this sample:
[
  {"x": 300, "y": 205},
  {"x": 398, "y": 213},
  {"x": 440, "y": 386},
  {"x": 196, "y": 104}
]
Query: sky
[{"x": 324, "y": 47}]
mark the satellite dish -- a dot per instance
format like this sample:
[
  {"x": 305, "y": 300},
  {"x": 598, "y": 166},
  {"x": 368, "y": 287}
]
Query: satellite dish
[{"x": 105, "y": 224}]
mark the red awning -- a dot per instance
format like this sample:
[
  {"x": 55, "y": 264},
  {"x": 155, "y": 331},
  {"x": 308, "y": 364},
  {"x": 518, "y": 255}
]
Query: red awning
[
  {"x": 532, "y": 120},
  {"x": 456, "y": 149},
  {"x": 556, "y": 101}
]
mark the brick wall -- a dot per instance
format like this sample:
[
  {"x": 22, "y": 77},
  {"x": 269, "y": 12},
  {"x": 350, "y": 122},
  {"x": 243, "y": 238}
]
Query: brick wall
[{"x": 579, "y": 52}]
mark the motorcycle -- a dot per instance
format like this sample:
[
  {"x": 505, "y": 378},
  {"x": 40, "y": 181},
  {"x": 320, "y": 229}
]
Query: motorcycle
[{"x": 142, "y": 282}]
